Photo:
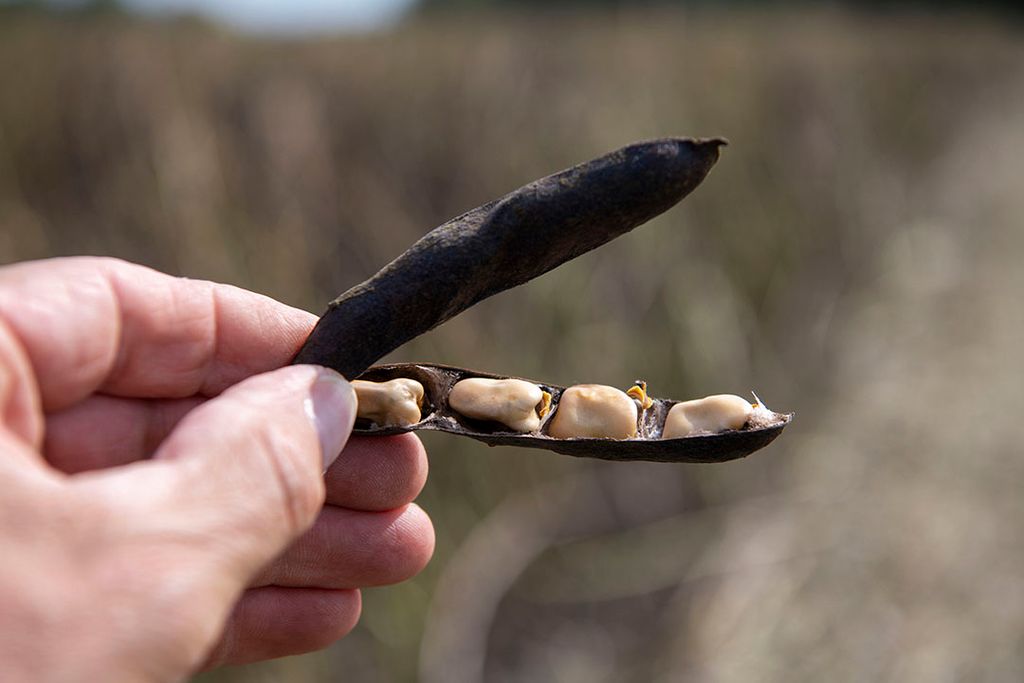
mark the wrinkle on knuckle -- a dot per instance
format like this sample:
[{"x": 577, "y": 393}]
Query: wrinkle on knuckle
[
  {"x": 175, "y": 344},
  {"x": 214, "y": 354},
  {"x": 47, "y": 324},
  {"x": 112, "y": 357},
  {"x": 19, "y": 400}
]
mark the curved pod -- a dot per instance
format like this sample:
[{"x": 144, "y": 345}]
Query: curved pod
[{"x": 439, "y": 415}]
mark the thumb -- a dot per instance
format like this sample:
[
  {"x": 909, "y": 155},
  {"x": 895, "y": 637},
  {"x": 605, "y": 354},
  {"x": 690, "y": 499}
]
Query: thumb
[{"x": 249, "y": 464}]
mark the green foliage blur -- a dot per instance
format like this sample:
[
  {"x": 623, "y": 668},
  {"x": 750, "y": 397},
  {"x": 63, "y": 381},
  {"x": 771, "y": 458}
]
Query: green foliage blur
[{"x": 854, "y": 257}]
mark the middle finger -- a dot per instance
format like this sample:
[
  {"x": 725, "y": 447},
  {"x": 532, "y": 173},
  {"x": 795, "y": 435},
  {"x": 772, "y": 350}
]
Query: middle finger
[{"x": 351, "y": 549}]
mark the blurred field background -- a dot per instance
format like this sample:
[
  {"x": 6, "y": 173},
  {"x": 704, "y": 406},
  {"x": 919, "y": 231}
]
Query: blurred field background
[{"x": 855, "y": 257}]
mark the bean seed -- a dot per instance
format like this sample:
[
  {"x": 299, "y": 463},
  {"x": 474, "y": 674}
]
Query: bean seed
[
  {"x": 515, "y": 403},
  {"x": 708, "y": 415},
  {"x": 594, "y": 411},
  {"x": 395, "y": 403}
]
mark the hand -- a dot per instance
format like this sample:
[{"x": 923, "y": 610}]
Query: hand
[{"x": 162, "y": 502}]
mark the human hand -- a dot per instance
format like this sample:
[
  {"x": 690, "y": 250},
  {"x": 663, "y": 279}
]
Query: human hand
[{"x": 163, "y": 501}]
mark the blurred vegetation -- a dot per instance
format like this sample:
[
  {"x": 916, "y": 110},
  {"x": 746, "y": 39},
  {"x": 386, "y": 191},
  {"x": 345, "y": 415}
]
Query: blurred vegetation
[
  {"x": 1010, "y": 6},
  {"x": 79, "y": 9},
  {"x": 855, "y": 257}
]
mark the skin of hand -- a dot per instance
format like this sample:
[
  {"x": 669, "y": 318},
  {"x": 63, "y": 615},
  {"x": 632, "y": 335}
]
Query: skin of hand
[{"x": 164, "y": 506}]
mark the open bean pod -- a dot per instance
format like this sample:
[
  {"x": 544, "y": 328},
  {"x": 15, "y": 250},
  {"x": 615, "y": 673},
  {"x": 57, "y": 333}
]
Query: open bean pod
[
  {"x": 438, "y": 414},
  {"x": 502, "y": 244}
]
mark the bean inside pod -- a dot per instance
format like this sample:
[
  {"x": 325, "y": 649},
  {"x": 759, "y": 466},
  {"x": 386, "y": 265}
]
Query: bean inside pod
[{"x": 595, "y": 421}]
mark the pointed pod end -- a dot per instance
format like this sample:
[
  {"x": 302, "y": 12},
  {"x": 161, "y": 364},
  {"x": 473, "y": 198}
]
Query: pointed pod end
[
  {"x": 706, "y": 149},
  {"x": 712, "y": 146},
  {"x": 701, "y": 153},
  {"x": 672, "y": 168},
  {"x": 712, "y": 142},
  {"x": 702, "y": 147}
]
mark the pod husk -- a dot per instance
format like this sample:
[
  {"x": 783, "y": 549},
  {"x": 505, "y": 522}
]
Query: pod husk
[
  {"x": 438, "y": 415},
  {"x": 503, "y": 244}
]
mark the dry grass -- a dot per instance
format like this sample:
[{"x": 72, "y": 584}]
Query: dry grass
[{"x": 855, "y": 257}]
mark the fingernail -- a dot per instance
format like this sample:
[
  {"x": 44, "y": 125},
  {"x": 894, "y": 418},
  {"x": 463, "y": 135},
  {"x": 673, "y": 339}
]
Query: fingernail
[{"x": 332, "y": 407}]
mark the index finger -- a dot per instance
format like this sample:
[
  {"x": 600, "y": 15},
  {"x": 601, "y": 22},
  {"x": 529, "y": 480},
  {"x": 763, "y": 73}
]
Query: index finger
[{"x": 99, "y": 324}]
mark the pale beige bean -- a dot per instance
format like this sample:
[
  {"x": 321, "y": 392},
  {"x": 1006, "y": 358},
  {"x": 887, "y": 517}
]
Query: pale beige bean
[
  {"x": 517, "y": 404},
  {"x": 707, "y": 415},
  {"x": 594, "y": 411},
  {"x": 395, "y": 403}
]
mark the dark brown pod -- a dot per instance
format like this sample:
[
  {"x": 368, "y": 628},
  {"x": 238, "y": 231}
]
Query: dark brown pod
[
  {"x": 438, "y": 415},
  {"x": 504, "y": 244}
]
